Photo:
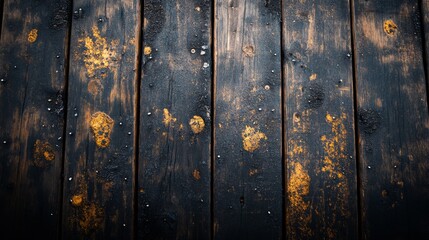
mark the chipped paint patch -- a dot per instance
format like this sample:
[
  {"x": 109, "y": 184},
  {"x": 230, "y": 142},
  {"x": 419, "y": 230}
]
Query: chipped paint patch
[
  {"x": 77, "y": 200},
  {"x": 99, "y": 54},
  {"x": 168, "y": 118},
  {"x": 32, "y": 35},
  {"x": 390, "y": 28},
  {"x": 102, "y": 126},
  {"x": 92, "y": 218},
  {"x": 249, "y": 51},
  {"x": 197, "y": 124},
  {"x": 43, "y": 151},
  {"x": 253, "y": 172},
  {"x": 313, "y": 77},
  {"x": 147, "y": 50},
  {"x": 252, "y": 138},
  {"x": 196, "y": 174}
]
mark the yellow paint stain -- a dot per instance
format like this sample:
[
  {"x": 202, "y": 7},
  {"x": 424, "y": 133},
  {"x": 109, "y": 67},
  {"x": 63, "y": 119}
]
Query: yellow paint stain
[
  {"x": 390, "y": 27},
  {"x": 32, "y": 35},
  {"x": 298, "y": 187},
  {"x": 102, "y": 126},
  {"x": 99, "y": 54},
  {"x": 43, "y": 151},
  {"x": 168, "y": 118},
  {"x": 196, "y": 174},
  {"x": 147, "y": 50},
  {"x": 252, "y": 138},
  {"x": 197, "y": 124},
  {"x": 91, "y": 218},
  {"x": 77, "y": 200},
  {"x": 335, "y": 161},
  {"x": 313, "y": 77}
]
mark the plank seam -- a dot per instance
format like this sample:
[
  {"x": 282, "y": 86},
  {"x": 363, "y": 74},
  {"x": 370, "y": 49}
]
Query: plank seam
[
  {"x": 65, "y": 100},
  {"x": 424, "y": 50},
  {"x": 355, "y": 115},
  {"x": 213, "y": 117},
  {"x": 282, "y": 109}
]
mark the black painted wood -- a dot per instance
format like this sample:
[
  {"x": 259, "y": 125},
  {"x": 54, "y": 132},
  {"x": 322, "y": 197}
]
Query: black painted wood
[
  {"x": 321, "y": 167},
  {"x": 33, "y": 58},
  {"x": 247, "y": 192},
  {"x": 393, "y": 120},
  {"x": 102, "y": 117},
  {"x": 175, "y": 117}
]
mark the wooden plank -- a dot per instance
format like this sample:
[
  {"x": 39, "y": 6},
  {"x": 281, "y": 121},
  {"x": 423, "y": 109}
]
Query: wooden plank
[
  {"x": 33, "y": 58},
  {"x": 248, "y": 133},
  {"x": 393, "y": 120},
  {"x": 101, "y": 121},
  {"x": 175, "y": 133},
  {"x": 321, "y": 172}
]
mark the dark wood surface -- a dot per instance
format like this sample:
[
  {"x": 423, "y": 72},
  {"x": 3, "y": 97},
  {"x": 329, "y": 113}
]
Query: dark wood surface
[{"x": 302, "y": 119}]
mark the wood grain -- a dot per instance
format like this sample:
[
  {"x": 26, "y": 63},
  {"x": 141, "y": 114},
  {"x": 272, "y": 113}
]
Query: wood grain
[
  {"x": 175, "y": 114},
  {"x": 100, "y": 165},
  {"x": 321, "y": 167},
  {"x": 247, "y": 190},
  {"x": 393, "y": 120},
  {"x": 33, "y": 58}
]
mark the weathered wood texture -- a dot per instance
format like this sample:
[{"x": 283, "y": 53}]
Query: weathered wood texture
[
  {"x": 175, "y": 115},
  {"x": 100, "y": 165},
  {"x": 33, "y": 55},
  {"x": 321, "y": 170},
  {"x": 424, "y": 11},
  {"x": 247, "y": 191},
  {"x": 393, "y": 120}
]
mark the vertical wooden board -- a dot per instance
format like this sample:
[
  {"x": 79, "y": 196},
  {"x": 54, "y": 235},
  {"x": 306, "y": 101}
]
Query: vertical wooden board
[
  {"x": 321, "y": 200},
  {"x": 175, "y": 133},
  {"x": 248, "y": 178},
  {"x": 101, "y": 120},
  {"x": 393, "y": 120},
  {"x": 33, "y": 54}
]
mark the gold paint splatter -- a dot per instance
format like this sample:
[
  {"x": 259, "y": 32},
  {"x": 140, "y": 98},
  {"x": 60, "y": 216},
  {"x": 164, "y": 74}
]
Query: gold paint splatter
[
  {"x": 32, "y": 35},
  {"x": 77, "y": 200},
  {"x": 98, "y": 54},
  {"x": 147, "y": 50},
  {"x": 313, "y": 77},
  {"x": 92, "y": 218},
  {"x": 101, "y": 125},
  {"x": 249, "y": 51},
  {"x": 298, "y": 188},
  {"x": 335, "y": 162},
  {"x": 196, "y": 174},
  {"x": 168, "y": 118},
  {"x": 390, "y": 27},
  {"x": 43, "y": 151},
  {"x": 197, "y": 124},
  {"x": 251, "y": 138}
]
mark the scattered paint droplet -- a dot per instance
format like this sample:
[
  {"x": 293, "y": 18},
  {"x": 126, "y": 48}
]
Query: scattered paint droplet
[
  {"x": 43, "y": 151},
  {"x": 70, "y": 178},
  {"x": 197, "y": 124},
  {"x": 313, "y": 77},
  {"x": 77, "y": 200},
  {"x": 252, "y": 138},
  {"x": 101, "y": 125},
  {"x": 390, "y": 27},
  {"x": 147, "y": 50},
  {"x": 267, "y": 87},
  {"x": 192, "y": 50},
  {"x": 196, "y": 174},
  {"x": 168, "y": 118},
  {"x": 32, "y": 35},
  {"x": 206, "y": 65},
  {"x": 248, "y": 51}
]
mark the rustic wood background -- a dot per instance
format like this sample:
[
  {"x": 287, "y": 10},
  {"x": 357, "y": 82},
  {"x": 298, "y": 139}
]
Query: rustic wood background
[{"x": 214, "y": 119}]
